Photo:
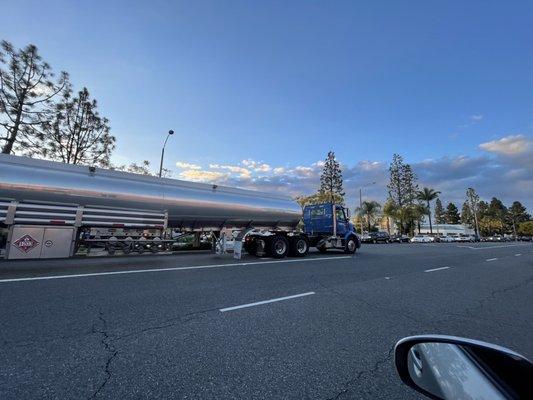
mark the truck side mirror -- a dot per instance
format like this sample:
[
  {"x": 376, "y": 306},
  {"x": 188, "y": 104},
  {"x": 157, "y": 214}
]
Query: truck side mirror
[{"x": 348, "y": 213}]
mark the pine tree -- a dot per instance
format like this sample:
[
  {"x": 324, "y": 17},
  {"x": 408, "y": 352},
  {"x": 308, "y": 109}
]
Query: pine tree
[
  {"x": 27, "y": 88},
  {"x": 452, "y": 214},
  {"x": 467, "y": 216},
  {"x": 78, "y": 134},
  {"x": 331, "y": 179},
  {"x": 403, "y": 190},
  {"x": 440, "y": 216},
  {"x": 516, "y": 215}
]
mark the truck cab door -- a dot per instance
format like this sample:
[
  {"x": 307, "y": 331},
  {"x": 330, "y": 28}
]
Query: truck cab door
[{"x": 342, "y": 221}]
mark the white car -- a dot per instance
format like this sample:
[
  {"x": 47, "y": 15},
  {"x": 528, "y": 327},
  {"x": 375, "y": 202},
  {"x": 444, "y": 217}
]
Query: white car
[
  {"x": 464, "y": 238},
  {"x": 447, "y": 239},
  {"x": 422, "y": 239}
]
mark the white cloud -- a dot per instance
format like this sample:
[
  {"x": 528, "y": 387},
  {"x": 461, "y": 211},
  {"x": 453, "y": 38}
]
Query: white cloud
[
  {"x": 476, "y": 117},
  {"x": 256, "y": 166},
  {"x": 186, "y": 165},
  {"x": 243, "y": 172},
  {"x": 509, "y": 145},
  {"x": 203, "y": 176}
]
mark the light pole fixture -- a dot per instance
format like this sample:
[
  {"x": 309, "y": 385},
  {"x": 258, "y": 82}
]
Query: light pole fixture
[
  {"x": 361, "y": 202},
  {"x": 170, "y": 132}
]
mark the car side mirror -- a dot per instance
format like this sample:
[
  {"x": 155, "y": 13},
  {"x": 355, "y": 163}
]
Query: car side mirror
[{"x": 448, "y": 367}]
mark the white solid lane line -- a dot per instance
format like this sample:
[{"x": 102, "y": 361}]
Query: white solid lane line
[
  {"x": 436, "y": 269},
  {"x": 140, "y": 271},
  {"x": 266, "y": 302},
  {"x": 491, "y": 259}
]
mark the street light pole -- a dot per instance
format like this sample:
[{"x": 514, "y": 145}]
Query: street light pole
[
  {"x": 171, "y": 132},
  {"x": 361, "y": 202}
]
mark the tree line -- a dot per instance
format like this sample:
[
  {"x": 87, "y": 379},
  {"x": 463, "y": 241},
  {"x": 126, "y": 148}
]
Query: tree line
[{"x": 407, "y": 206}]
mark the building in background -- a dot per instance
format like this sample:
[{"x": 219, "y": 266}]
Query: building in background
[{"x": 447, "y": 229}]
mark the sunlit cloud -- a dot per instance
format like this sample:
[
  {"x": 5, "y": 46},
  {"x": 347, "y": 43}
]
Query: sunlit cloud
[
  {"x": 186, "y": 165},
  {"x": 509, "y": 145}
]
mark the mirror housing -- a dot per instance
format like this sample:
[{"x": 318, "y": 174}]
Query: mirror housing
[
  {"x": 348, "y": 213},
  {"x": 446, "y": 367}
]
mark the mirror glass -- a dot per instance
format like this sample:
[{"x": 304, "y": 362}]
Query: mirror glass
[{"x": 461, "y": 371}]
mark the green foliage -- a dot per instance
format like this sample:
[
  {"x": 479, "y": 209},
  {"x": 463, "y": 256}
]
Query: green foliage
[
  {"x": 370, "y": 210},
  {"x": 318, "y": 198},
  {"x": 428, "y": 195},
  {"x": 452, "y": 214},
  {"x": 331, "y": 179},
  {"x": 525, "y": 228},
  {"x": 467, "y": 217},
  {"x": 402, "y": 190},
  {"x": 440, "y": 214}
]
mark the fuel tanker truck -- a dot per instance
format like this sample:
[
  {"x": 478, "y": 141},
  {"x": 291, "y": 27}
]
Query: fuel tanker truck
[{"x": 50, "y": 209}]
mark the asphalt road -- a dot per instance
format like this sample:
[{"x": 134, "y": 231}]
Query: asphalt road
[{"x": 152, "y": 326}]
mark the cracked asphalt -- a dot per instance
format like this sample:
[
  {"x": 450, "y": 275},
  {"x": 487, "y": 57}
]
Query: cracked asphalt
[{"x": 160, "y": 334}]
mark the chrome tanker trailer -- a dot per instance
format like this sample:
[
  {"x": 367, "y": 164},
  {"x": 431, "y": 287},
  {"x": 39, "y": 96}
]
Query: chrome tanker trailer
[{"x": 49, "y": 208}]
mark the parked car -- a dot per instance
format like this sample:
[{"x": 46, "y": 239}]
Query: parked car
[
  {"x": 447, "y": 239},
  {"x": 399, "y": 239},
  {"x": 525, "y": 238},
  {"x": 497, "y": 238},
  {"x": 376, "y": 237},
  {"x": 422, "y": 239},
  {"x": 464, "y": 238}
]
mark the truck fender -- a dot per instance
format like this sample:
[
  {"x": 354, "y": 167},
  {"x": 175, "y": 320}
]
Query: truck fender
[{"x": 351, "y": 235}]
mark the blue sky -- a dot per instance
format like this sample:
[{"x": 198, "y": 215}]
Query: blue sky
[{"x": 449, "y": 85}]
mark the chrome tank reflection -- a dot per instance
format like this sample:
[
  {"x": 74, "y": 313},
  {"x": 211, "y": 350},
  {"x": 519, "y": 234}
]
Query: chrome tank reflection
[{"x": 189, "y": 204}]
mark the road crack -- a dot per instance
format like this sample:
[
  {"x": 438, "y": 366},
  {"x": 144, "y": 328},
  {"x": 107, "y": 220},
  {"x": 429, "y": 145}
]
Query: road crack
[
  {"x": 110, "y": 349},
  {"x": 349, "y": 384}
]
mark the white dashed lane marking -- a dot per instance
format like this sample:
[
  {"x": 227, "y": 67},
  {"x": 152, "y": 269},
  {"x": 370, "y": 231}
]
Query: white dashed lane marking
[
  {"x": 266, "y": 302},
  {"x": 436, "y": 269}
]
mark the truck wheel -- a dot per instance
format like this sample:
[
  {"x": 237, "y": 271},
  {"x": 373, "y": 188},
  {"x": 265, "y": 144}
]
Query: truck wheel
[
  {"x": 279, "y": 247},
  {"x": 322, "y": 249},
  {"x": 350, "y": 246},
  {"x": 299, "y": 247}
]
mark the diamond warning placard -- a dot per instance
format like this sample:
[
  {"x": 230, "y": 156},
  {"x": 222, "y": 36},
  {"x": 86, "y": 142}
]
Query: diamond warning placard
[{"x": 25, "y": 243}]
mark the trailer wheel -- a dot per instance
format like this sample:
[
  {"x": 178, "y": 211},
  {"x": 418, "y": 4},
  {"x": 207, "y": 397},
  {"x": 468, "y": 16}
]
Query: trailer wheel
[
  {"x": 350, "y": 246},
  {"x": 322, "y": 249},
  {"x": 299, "y": 247},
  {"x": 279, "y": 246}
]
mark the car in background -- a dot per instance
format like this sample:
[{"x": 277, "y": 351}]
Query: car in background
[
  {"x": 465, "y": 238},
  {"x": 496, "y": 238},
  {"x": 422, "y": 239},
  {"x": 399, "y": 239},
  {"x": 447, "y": 239},
  {"x": 376, "y": 237},
  {"x": 525, "y": 238}
]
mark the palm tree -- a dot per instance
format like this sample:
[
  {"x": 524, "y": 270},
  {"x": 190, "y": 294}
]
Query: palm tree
[
  {"x": 428, "y": 195},
  {"x": 370, "y": 209}
]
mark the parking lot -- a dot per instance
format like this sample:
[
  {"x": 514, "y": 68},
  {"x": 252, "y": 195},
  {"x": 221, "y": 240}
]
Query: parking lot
[{"x": 204, "y": 326}]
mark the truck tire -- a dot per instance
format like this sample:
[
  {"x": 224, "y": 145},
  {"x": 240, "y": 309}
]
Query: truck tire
[
  {"x": 278, "y": 246},
  {"x": 299, "y": 246},
  {"x": 351, "y": 246},
  {"x": 322, "y": 249}
]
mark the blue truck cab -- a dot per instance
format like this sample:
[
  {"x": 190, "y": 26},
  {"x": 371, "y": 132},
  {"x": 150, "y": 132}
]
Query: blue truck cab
[{"x": 328, "y": 226}]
